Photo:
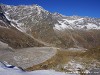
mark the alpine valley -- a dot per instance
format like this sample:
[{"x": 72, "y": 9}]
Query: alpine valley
[{"x": 33, "y": 38}]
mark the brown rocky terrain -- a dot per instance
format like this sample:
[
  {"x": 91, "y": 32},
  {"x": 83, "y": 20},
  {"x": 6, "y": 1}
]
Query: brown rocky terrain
[
  {"x": 28, "y": 57},
  {"x": 17, "y": 39}
]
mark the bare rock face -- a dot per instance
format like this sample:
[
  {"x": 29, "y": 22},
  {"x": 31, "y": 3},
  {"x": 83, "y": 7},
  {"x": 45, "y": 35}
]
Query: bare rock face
[{"x": 29, "y": 57}]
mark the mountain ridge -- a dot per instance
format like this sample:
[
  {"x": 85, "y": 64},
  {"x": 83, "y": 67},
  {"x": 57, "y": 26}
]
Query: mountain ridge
[
  {"x": 27, "y": 31},
  {"x": 54, "y": 28}
]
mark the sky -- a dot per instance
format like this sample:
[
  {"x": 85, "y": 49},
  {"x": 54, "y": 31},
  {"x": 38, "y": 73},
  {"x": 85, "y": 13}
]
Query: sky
[{"x": 89, "y": 8}]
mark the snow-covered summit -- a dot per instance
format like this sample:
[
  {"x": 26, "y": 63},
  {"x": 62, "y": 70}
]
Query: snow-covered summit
[{"x": 27, "y": 16}]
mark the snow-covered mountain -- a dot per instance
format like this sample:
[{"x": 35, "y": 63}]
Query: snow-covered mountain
[
  {"x": 27, "y": 26},
  {"x": 54, "y": 28},
  {"x": 75, "y": 22},
  {"x": 13, "y": 35},
  {"x": 29, "y": 15}
]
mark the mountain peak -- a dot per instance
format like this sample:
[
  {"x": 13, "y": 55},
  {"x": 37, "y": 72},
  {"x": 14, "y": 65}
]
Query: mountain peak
[{"x": 38, "y": 22}]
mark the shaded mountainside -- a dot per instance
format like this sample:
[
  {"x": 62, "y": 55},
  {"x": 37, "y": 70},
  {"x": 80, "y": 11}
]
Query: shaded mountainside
[
  {"x": 17, "y": 39},
  {"x": 53, "y": 28}
]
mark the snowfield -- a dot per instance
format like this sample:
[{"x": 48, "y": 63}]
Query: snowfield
[{"x": 15, "y": 71}]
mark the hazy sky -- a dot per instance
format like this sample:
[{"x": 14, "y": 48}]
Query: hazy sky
[{"x": 89, "y": 8}]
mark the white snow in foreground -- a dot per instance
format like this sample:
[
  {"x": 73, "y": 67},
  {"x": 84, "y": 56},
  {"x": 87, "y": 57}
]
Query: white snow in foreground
[{"x": 15, "y": 71}]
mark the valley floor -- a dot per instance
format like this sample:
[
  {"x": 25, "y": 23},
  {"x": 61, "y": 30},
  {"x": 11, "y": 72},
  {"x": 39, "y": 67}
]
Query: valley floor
[{"x": 65, "y": 62}]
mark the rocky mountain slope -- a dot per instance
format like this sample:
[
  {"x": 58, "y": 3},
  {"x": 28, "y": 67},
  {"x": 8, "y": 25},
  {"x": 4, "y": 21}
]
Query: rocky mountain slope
[
  {"x": 53, "y": 28},
  {"x": 27, "y": 26},
  {"x": 10, "y": 33}
]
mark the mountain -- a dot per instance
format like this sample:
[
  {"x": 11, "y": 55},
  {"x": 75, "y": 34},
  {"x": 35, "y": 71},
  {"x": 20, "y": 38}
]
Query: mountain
[
  {"x": 52, "y": 28},
  {"x": 11, "y": 34},
  {"x": 70, "y": 39}
]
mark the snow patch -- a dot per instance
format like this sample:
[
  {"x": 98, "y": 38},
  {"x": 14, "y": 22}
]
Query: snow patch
[
  {"x": 18, "y": 25},
  {"x": 7, "y": 16},
  {"x": 62, "y": 25},
  {"x": 75, "y": 24},
  {"x": 77, "y": 49},
  {"x": 92, "y": 26},
  {"x": 72, "y": 21},
  {"x": 10, "y": 71},
  {"x": 73, "y": 66}
]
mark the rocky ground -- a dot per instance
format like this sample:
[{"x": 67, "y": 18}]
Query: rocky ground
[
  {"x": 29, "y": 57},
  {"x": 45, "y": 58}
]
